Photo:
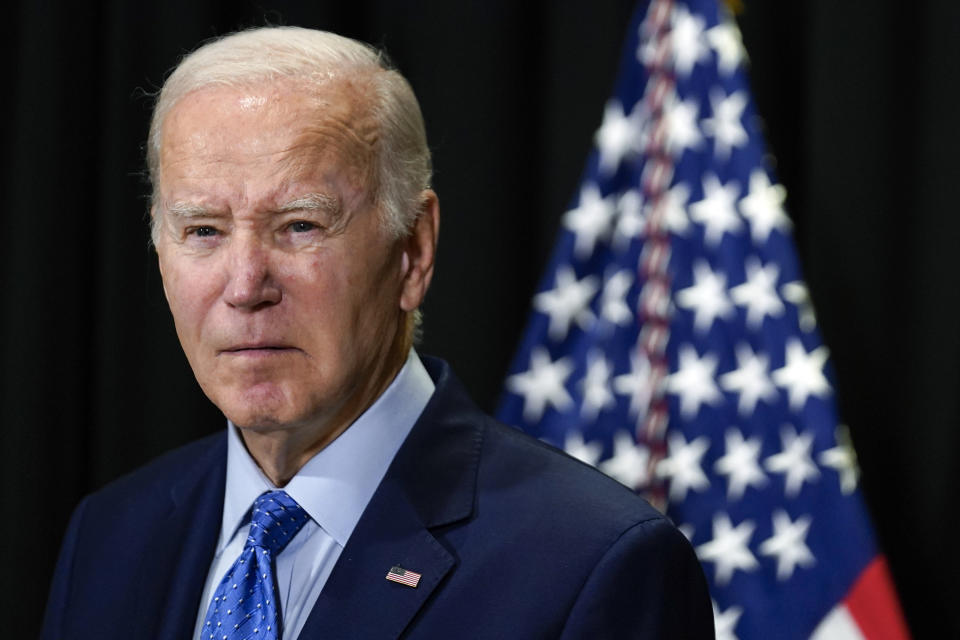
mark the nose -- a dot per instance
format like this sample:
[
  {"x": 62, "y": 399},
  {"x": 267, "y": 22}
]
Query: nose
[{"x": 251, "y": 284}]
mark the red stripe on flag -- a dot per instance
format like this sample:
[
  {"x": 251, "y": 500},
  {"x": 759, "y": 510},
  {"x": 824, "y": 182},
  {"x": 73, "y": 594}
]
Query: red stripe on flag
[{"x": 873, "y": 604}]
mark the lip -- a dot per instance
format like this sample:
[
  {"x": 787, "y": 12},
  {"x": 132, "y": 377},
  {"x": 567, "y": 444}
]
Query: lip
[{"x": 258, "y": 350}]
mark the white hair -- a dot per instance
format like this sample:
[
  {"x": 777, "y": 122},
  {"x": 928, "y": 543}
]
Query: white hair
[{"x": 403, "y": 167}]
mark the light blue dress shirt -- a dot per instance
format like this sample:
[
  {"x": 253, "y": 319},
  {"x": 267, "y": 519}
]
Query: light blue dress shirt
[{"x": 333, "y": 487}]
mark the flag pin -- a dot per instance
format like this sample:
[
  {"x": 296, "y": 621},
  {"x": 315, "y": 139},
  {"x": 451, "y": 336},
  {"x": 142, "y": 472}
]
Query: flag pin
[{"x": 403, "y": 576}]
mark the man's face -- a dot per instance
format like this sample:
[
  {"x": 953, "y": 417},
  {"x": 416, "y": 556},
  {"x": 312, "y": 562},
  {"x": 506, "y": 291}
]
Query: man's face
[{"x": 287, "y": 296}]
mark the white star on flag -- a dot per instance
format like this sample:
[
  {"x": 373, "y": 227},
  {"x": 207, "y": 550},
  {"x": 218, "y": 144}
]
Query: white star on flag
[
  {"x": 843, "y": 459},
  {"x": 793, "y": 460},
  {"x": 686, "y": 38},
  {"x": 796, "y": 292},
  {"x": 707, "y": 297},
  {"x": 750, "y": 379},
  {"x": 740, "y": 464},
  {"x": 717, "y": 212},
  {"x": 628, "y": 465},
  {"x": 596, "y": 386},
  {"x": 682, "y": 465},
  {"x": 646, "y": 53},
  {"x": 725, "y": 39},
  {"x": 802, "y": 374},
  {"x": 729, "y": 548},
  {"x": 682, "y": 129},
  {"x": 675, "y": 208},
  {"x": 542, "y": 384},
  {"x": 724, "y": 126},
  {"x": 589, "y": 221},
  {"x": 759, "y": 292},
  {"x": 630, "y": 221},
  {"x": 725, "y": 622},
  {"x": 613, "y": 303},
  {"x": 693, "y": 381},
  {"x": 568, "y": 301},
  {"x": 588, "y": 452},
  {"x": 635, "y": 384},
  {"x": 616, "y": 136},
  {"x": 763, "y": 207},
  {"x": 788, "y": 544}
]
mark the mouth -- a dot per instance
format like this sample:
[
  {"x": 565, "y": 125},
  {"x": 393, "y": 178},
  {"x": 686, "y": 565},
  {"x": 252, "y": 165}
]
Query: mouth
[{"x": 258, "y": 350}]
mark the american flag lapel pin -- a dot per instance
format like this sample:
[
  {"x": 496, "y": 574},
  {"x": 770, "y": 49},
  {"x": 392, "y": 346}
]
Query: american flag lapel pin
[{"x": 403, "y": 576}]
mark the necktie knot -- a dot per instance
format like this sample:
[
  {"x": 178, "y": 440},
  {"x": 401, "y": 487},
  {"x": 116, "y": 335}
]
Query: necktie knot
[
  {"x": 275, "y": 519},
  {"x": 245, "y": 604}
]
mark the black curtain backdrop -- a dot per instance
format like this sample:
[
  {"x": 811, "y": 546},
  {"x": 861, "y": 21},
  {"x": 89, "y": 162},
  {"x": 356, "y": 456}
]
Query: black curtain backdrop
[{"x": 859, "y": 101}]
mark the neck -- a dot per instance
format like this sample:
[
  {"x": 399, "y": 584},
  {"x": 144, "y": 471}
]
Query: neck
[{"x": 281, "y": 452}]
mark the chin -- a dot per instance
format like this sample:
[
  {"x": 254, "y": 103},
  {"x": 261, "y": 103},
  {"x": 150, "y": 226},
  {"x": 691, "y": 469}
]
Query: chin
[
  {"x": 263, "y": 407},
  {"x": 257, "y": 421}
]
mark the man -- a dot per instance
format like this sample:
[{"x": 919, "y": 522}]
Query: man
[{"x": 356, "y": 493}]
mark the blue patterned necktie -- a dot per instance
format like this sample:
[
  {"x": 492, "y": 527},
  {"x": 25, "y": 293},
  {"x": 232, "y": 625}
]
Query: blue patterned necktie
[{"x": 244, "y": 606}]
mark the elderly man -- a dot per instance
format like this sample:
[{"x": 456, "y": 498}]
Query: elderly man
[{"x": 356, "y": 492}]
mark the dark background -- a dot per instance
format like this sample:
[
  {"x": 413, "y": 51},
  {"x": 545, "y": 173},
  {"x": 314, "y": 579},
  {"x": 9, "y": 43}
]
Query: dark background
[{"x": 860, "y": 101}]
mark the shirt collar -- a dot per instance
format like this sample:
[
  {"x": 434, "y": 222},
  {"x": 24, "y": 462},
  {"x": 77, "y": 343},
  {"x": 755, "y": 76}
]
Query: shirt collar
[{"x": 336, "y": 484}]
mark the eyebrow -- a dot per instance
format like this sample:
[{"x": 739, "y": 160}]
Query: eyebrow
[
  {"x": 313, "y": 202},
  {"x": 188, "y": 210},
  {"x": 309, "y": 202}
]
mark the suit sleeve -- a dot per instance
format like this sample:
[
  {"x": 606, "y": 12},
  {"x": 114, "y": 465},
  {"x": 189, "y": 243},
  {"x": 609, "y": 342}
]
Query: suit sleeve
[
  {"x": 649, "y": 584},
  {"x": 60, "y": 587}
]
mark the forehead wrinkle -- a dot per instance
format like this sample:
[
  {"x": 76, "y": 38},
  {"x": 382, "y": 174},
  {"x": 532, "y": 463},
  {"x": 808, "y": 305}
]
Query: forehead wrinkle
[
  {"x": 335, "y": 133},
  {"x": 328, "y": 136},
  {"x": 341, "y": 117},
  {"x": 333, "y": 156},
  {"x": 347, "y": 102}
]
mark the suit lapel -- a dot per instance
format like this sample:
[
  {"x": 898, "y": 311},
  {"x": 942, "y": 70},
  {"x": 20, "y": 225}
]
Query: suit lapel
[
  {"x": 431, "y": 483},
  {"x": 358, "y": 601},
  {"x": 181, "y": 546}
]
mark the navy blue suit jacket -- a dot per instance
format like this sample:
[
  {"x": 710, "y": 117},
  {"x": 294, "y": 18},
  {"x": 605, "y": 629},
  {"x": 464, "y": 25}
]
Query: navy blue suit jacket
[{"x": 513, "y": 539}]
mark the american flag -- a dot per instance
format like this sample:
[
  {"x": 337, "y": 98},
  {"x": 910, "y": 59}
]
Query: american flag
[
  {"x": 672, "y": 344},
  {"x": 403, "y": 576}
]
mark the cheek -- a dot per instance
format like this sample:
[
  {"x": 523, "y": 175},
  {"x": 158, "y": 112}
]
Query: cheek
[
  {"x": 375, "y": 294},
  {"x": 315, "y": 292},
  {"x": 342, "y": 298}
]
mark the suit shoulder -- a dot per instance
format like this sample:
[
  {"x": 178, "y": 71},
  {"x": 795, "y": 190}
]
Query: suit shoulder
[
  {"x": 543, "y": 478},
  {"x": 164, "y": 471}
]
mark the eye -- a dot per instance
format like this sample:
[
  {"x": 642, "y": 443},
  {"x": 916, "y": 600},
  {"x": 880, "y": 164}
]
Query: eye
[
  {"x": 202, "y": 232},
  {"x": 302, "y": 226}
]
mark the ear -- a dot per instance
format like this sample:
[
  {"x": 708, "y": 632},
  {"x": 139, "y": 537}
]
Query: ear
[{"x": 419, "y": 250}]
